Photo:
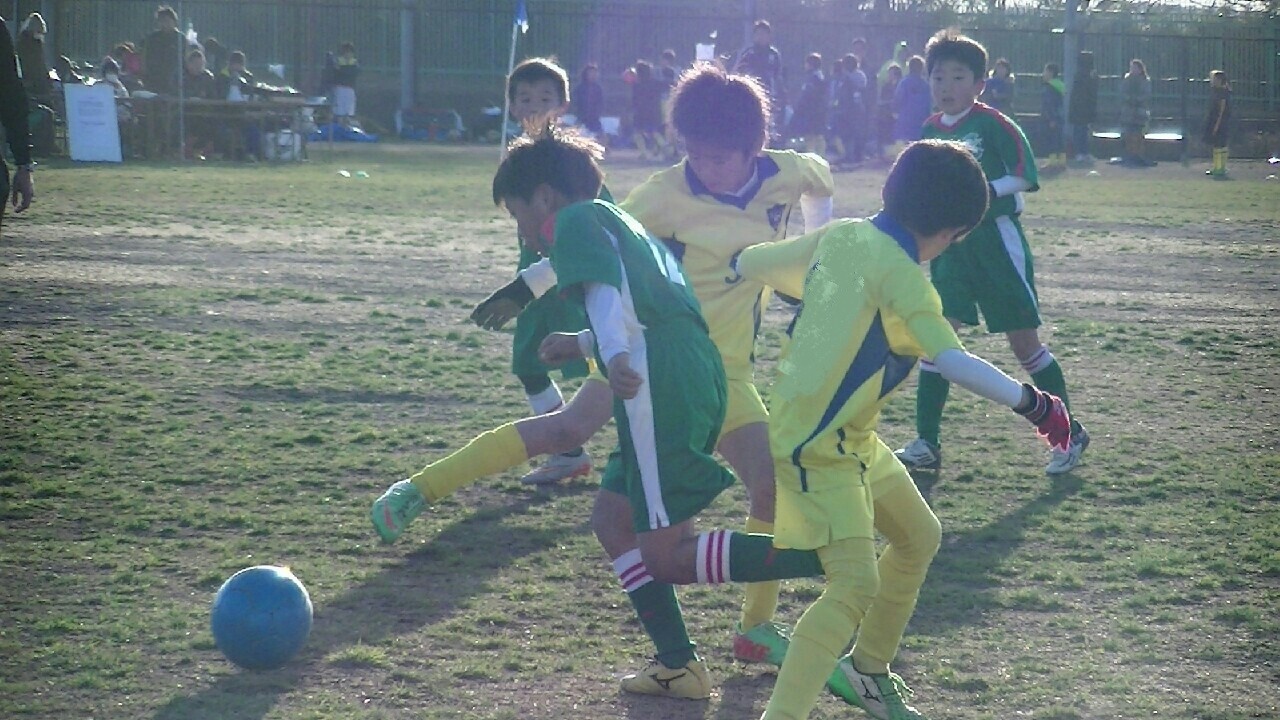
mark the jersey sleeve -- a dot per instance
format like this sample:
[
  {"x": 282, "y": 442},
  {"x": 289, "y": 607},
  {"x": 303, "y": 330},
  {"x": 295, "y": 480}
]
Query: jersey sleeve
[
  {"x": 1010, "y": 143},
  {"x": 910, "y": 295},
  {"x": 583, "y": 251},
  {"x": 649, "y": 203},
  {"x": 783, "y": 265},
  {"x": 818, "y": 181}
]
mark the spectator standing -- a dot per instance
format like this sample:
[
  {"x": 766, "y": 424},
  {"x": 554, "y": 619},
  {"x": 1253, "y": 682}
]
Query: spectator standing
[
  {"x": 346, "y": 70},
  {"x": 588, "y": 99},
  {"x": 1051, "y": 106},
  {"x": 235, "y": 84},
  {"x": 31, "y": 59},
  {"x": 854, "y": 103},
  {"x": 885, "y": 117},
  {"x": 163, "y": 52},
  {"x": 13, "y": 118},
  {"x": 215, "y": 54},
  {"x": 899, "y": 58},
  {"x": 1135, "y": 113},
  {"x": 646, "y": 112},
  {"x": 912, "y": 102},
  {"x": 1217, "y": 126},
  {"x": 1000, "y": 87},
  {"x": 1082, "y": 106},
  {"x": 762, "y": 61},
  {"x": 809, "y": 123}
]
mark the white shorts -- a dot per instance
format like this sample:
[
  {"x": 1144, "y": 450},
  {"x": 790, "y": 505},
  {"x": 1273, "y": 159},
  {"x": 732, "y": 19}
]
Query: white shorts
[{"x": 344, "y": 101}]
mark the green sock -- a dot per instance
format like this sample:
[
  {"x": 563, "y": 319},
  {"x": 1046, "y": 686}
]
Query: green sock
[
  {"x": 931, "y": 398},
  {"x": 659, "y": 613},
  {"x": 1050, "y": 380},
  {"x": 751, "y": 558}
]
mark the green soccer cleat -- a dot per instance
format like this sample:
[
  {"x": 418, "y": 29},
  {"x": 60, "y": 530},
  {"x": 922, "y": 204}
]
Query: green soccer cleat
[
  {"x": 764, "y": 643},
  {"x": 398, "y": 506},
  {"x": 881, "y": 696}
]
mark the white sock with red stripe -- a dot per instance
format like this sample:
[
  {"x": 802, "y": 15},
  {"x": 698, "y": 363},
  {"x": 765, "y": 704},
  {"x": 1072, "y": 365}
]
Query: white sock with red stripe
[
  {"x": 713, "y": 557},
  {"x": 1039, "y": 360},
  {"x": 631, "y": 570}
]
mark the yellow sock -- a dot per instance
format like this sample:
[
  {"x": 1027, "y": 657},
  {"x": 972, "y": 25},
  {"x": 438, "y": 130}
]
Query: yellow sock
[
  {"x": 760, "y": 599},
  {"x": 488, "y": 453}
]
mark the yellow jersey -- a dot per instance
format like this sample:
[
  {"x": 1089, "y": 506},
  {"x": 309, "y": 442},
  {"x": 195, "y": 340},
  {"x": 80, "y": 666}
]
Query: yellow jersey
[
  {"x": 868, "y": 314},
  {"x": 706, "y": 230}
]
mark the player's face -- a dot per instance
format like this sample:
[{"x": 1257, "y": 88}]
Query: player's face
[
  {"x": 721, "y": 170},
  {"x": 529, "y": 216},
  {"x": 954, "y": 86},
  {"x": 535, "y": 100}
]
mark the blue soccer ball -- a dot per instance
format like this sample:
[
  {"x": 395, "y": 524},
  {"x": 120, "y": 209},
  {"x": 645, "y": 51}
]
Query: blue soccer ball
[{"x": 261, "y": 617}]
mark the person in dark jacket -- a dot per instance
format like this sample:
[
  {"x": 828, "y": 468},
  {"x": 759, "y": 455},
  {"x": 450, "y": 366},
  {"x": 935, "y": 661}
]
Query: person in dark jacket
[
  {"x": 1051, "y": 107},
  {"x": 588, "y": 99},
  {"x": 13, "y": 116},
  {"x": 809, "y": 123},
  {"x": 1082, "y": 106},
  {"x": 163, "y": 53},
  {"x": 34, "y": 69}
]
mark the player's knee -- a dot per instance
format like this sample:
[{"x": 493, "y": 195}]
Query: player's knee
[{"x": 853, "y": 595}]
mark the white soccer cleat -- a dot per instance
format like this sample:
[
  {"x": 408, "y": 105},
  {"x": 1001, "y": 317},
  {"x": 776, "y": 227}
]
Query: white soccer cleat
[
  {"x": 1064, "y": 461},
  {"x": 559, "y": 467},
  {"x": 920, "y": 454}
]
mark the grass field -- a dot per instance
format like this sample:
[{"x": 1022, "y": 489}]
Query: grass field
[{"x": 209, "y": 367}]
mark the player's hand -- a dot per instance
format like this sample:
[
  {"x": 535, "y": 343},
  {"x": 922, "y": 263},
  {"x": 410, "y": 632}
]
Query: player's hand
[
  {"x": 1049, "y": 414},
  {"x": 503, "y": 305},
  {"x": 24, "y": 190},
  {"x": 559, "y": 348},
  {"x": 624, "y": 381}
]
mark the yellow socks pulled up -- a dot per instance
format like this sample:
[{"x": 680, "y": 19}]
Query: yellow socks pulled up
[
  {"x": 760, "y": 599},
  {"x": 488, "y": 453}
]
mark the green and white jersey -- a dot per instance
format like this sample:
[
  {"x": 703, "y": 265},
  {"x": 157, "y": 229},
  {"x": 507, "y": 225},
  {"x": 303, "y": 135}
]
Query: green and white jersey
[
  {"x": 596, "y": 242},
  {"x": 999, "y": 146}
]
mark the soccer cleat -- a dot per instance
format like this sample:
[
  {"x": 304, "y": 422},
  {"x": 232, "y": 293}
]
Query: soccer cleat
[
  {"x": 764, "y": 643},
  {"x": 559, "y": 467},
  {"x": 881, "y": 696},
  {"x": 690, "y": 682},
  {"x": 920, "y": 454},
  {"x": 398, "y": 506},
  {"x": 1061, "y": 461}
]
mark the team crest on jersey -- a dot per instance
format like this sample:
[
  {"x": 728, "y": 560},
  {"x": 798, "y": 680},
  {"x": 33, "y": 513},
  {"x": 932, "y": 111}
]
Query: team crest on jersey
[
  {"x": 973, "y": 141},
  {"x": 774, "y": 214}
]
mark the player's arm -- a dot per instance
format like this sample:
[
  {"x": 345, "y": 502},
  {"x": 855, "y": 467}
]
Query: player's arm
[
  {"x": 816, "y": 205},
  {"x": 1011, "y": 146},
  {"x": 609, "y": 324},
  {"x": 505, "y": 303},
  {"x": 781, "y": 265},
  {"x": 1047, "y": 412}
]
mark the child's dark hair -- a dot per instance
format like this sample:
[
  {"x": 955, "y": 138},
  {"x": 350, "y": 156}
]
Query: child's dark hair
[
  {"x": 851, "y": 62},
  {"x": 195, "y": 53},
  {"x": 813, "y": 61},
  {"x": 588, "y": 69},
  {"x": 644, "y": 70},
  {"x": 559, "y": 157},
  {"x": 936, "y": 185},
  {"x": 536, "y": 70},
  {"x": 949, "y": 44},
  {"x": 669, "y": 55},
  {"x": 109, "y": 66},
  {"x": 166, "y": 11},
  {"x": 762, "y": 25},
  {"x": 1053, "y": 69},
  {"x": 236, "y": 56},
  {"x": 344, "y": 47},
  {"x": 709, "y": 105},
  {"x": 915, "y": 64},
  {"x": 1220, "y": 75}
]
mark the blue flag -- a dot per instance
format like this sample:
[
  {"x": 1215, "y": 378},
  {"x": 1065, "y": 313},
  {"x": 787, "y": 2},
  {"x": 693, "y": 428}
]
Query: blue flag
[{"x": 522, "y": 17}]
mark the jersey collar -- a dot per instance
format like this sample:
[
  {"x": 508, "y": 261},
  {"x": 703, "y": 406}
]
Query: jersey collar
[
  {"x": 765, "y": 169},
  {"x": 900, "y": 234}
]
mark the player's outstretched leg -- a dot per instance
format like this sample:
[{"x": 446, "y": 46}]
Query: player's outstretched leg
[{"x": 576, "y": 462}]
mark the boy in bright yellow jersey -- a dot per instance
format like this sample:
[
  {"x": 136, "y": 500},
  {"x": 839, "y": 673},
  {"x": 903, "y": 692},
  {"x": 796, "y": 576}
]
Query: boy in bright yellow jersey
[{"x": 868, "y": 314}]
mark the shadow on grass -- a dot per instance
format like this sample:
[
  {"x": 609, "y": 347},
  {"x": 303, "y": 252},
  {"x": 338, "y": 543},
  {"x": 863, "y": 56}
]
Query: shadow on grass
[
  {"x": 423, "y": 588},
  {"x": 964, "y": 578}
]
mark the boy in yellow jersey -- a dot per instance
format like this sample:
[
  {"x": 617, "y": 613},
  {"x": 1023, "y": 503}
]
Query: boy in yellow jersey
[
  {"x": 868, "y": 313},
  {"x": 729, "y": 193}
]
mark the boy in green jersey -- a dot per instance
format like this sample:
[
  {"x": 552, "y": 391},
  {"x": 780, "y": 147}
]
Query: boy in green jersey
[{"x": 992, "y": 271}]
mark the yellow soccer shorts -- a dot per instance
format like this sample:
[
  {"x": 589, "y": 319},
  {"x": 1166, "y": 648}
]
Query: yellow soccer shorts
[{"x": 820, "y": 505}]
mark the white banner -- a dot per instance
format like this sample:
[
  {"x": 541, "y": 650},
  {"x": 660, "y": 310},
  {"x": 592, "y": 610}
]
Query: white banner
[{"x": 92, "y": 130}]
